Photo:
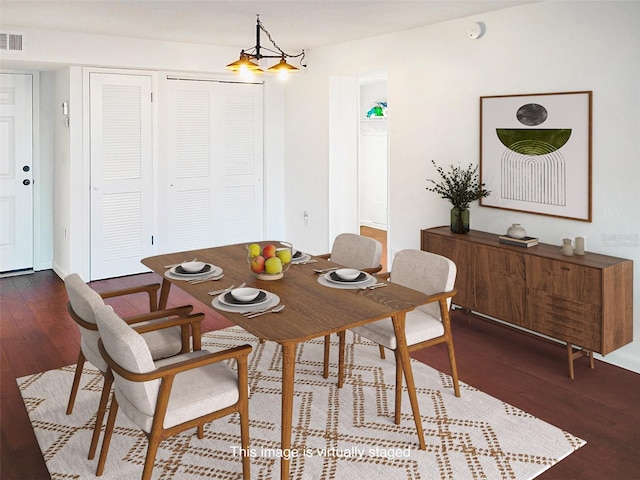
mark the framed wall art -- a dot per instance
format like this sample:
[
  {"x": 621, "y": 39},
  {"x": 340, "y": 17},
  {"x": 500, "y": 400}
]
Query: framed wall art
[{"x": 535, "y": 153}]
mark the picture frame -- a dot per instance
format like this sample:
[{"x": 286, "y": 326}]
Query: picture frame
[{"x": 535, "y": 153}]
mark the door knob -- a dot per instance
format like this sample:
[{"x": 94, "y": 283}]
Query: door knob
[
  {"x": 26, "y": 168},
  {"x": 26, "y": 181}
]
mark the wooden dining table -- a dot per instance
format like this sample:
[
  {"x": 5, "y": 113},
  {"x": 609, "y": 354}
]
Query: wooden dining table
[{"x": 312, "y": 310}]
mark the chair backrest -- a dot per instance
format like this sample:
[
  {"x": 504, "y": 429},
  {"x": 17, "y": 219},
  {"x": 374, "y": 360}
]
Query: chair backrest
[
  {"x": 84, "y": 302},
  {"x": 129, "y": 350},
  {"x": 426, "y": 272},
  {"x": 84, "y": 299},
  {"x": 356, "y": 251}
]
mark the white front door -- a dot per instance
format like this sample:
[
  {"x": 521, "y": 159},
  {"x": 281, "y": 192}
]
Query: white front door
[
  {"x": 16, "y": 175},
  {"x": 121, "y": 173}
]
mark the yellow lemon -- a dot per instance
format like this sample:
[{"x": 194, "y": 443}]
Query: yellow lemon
[
  {"x": 273, "y": 265},
  {"x": 284, "y": 255},
  {"x": 254, "y": 250}
]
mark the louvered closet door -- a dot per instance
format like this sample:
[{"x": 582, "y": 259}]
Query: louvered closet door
[
  {"x": 214, "y": 164},
  {"x": 121, "y": 173}
]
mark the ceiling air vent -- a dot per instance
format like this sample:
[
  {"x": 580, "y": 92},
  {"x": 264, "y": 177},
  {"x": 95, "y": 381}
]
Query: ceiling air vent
[{"x": 11, "y": 41}]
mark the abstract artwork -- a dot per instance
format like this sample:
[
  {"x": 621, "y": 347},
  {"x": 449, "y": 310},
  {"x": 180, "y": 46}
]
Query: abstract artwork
[{"x": 535, "y": 153}]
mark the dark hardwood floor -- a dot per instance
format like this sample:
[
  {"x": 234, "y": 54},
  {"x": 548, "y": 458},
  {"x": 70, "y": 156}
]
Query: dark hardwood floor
[{"x": 601, "y": 406}]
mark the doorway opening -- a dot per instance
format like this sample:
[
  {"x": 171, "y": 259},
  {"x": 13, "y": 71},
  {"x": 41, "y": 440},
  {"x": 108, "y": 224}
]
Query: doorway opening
[{"x": 373, "y": 159}]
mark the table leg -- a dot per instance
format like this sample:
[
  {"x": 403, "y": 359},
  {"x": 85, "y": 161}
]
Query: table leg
[
  {"x": 288, "y": 376},
  {"x": 164, "y": 294},
  {"x": 403, "y": 353}
]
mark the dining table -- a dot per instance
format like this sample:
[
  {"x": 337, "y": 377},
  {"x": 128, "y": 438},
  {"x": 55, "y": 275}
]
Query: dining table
[{"x": 313, "y": 309}]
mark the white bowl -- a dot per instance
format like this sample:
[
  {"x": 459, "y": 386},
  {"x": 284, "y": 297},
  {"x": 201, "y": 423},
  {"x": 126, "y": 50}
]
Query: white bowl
[
  {"x": 245, "y": 294},
  {"x": 192, "y": 267},
  {"x": 347, "y": 273}
]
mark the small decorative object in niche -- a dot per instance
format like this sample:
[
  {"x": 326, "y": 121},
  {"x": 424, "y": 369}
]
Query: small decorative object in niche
[
  {"x": 461, "y": 187},
  {"x": 378, "y": 110},
  {"x": 535, "y": 153},
  {"x": 516, "y": 231}
]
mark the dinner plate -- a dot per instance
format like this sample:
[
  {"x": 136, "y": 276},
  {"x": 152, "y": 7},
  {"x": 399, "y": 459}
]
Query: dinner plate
[
  {"x": 322, "y": 280},
  {"x": 228, "y": 299},
  {"x": 181, "y": 272},
  {"x": 272, "y": 301},
  {"x": 360, "y": 279},
  {"x": 212, "y": 271},
  {"x": 302, "y": 257}
]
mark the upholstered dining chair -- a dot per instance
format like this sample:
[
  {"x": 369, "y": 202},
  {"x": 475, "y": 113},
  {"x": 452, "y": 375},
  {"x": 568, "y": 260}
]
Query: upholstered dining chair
[
  {"x": 428, "y": 324},
  {"x": 353, "y": 251},
  {"x": 82, "y": 306},
  {"x": 169, "y": 396}
]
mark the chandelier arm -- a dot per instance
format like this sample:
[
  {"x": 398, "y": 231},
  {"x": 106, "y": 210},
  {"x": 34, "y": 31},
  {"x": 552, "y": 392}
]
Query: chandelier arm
[{"x": 260, "y": 26}]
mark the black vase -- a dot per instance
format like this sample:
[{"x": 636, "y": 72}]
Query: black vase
[{"x": 459, "y": 220}]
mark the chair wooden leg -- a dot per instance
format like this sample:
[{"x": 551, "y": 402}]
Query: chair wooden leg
[
  {"x": 341, "y": 336},
  {"x": 398, "y": 402},
  {"x": 454, "y": 368},
  {"x": 244, "y": 440},
  {"x": 152, "y": 450},
  {"x": 243, "y": 410},
  {"x": 327, "y": 347},
  {"x": 382, "y": 354},
  {"x": 200, "y": 432},
  {"x": 113, "y": 412},
  {"x": 76, "y": 382},
  {"x": 102, "y": 409}
]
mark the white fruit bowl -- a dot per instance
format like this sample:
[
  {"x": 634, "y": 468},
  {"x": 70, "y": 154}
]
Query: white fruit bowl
[
  {"x": 245, "y": 294},
  {"x": 269, "y": 260},
  {"x": 347, "y": 273},
  {"x": 192, "y": 267}
]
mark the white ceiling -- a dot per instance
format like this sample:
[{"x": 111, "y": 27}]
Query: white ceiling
[{"x": 294, "y": 25}]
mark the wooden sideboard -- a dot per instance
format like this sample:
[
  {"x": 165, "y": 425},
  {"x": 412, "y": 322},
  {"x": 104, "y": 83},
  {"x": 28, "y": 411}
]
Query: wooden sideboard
[{"x": 584, "y": 301}]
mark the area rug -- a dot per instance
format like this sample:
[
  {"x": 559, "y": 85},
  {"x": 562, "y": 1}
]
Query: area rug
[{"x": 337, "y": 433}]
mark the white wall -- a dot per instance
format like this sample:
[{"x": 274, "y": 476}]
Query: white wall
[
  {"x": 434, "y": 104},
  {"x": 61, "y": 176}
]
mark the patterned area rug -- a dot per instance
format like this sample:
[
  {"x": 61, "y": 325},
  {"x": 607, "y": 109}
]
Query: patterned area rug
[{"x": 337, "y": 434}]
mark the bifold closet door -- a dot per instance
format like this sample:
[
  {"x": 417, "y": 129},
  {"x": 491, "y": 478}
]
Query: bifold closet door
[
  {"x": 121, "y": 164},
  {"x": 211, "y": 164}
]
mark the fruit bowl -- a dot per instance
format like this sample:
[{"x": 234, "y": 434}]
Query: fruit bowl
[{"x": 269, "y": 260}]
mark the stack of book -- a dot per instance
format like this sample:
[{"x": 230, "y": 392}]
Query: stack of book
[{"x": 520, "y": 242}]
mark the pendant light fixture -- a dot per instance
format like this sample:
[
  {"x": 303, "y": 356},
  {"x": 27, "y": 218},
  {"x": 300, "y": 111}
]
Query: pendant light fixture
[{"x": 248, "y": 63}]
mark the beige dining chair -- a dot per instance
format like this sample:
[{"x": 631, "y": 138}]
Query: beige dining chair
[
  {"x": 82, "y": 306},
  {"x": 428, "y": 324},
  {"x": 353, "y": 251},
  {"x": 169, "y": 396}
]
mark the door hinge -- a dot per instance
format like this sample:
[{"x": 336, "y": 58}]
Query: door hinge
[
  {"x": 151, "y": 97},
  {"x": 151, "y": 239}
]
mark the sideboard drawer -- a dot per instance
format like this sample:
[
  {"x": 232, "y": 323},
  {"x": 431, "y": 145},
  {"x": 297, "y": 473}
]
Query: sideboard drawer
[{"x": 567, "y": 280}]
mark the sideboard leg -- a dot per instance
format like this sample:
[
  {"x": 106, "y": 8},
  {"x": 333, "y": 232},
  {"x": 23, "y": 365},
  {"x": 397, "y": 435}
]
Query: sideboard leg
[
  {"x": 577, "y": 354},
  {"x": 570, "y": 354}
]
